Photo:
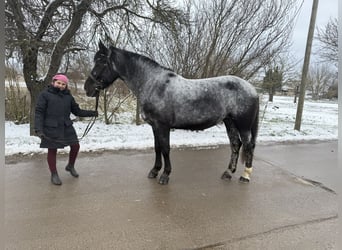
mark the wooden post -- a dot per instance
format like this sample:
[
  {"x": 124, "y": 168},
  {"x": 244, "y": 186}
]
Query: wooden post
[{"x": 306, "y": 66}]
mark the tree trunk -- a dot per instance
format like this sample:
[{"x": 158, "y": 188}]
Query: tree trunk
[
  {"x": 270, "y": 95},
  {"x": 30, "y": 75},
  {"x": 34, "y": 90},
  {"x": 296, "y": 94},
  {"x": 137, "y": 114}
]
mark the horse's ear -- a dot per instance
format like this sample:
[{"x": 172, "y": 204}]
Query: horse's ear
[{"x": 102, "y": 46}]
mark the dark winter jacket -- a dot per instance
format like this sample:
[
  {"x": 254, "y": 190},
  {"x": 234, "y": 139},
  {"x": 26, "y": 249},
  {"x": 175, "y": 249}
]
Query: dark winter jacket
[{"x": 52, "y": 117}]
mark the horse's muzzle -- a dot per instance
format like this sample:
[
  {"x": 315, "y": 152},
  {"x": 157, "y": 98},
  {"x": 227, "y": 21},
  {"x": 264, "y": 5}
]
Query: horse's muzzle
[
  {"x": 94, "y": 93},
  {"x": 91, "y": 87}
]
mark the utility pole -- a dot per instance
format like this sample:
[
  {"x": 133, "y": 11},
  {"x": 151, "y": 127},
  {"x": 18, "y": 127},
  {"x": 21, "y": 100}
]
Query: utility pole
[{"x": 306, "y": 65}]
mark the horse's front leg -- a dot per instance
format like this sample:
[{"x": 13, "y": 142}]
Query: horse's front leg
[
  {"x": 158, "y": 160},
  {"x": 162, "y": 145},
  {"x": 164, "y": 178}
]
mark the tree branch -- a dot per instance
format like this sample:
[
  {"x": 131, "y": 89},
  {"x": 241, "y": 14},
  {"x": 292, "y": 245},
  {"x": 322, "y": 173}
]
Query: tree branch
[
  {"x": 47, "y": 18},
  {"x": 65, "y": 38}
]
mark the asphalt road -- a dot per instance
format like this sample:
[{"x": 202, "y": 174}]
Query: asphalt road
[{"x": 290, "y": 203}]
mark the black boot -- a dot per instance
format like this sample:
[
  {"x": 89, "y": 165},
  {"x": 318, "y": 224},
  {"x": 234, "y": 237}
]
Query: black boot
[
  {"x": 72, "y": 170},
  {"x": 55, "y": 179}
]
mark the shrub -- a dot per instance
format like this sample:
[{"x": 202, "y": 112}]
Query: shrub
[{"x": 17, "y": 103}]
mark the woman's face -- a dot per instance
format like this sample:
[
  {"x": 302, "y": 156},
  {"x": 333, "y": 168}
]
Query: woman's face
[{"x": 59, "y": 84}]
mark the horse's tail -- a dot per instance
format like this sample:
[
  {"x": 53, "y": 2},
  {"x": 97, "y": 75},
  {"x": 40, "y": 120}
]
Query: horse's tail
[
  {"x": 255, "y": 125},
  {"x": 254, "y": 133}
]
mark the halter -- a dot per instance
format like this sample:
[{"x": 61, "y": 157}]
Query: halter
[
  {"x": 98, "y": 88},
  {"x": 99, "y": 83}
]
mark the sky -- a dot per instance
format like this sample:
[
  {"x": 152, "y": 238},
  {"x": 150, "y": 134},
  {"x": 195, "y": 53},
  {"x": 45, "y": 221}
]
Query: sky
[
  {"x": 319, "y": 122},
  {"x": 327, "y": 9}
]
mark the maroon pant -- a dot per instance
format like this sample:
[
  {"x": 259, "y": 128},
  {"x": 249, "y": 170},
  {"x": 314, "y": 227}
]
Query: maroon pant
[{"x": 52, "y": 155}]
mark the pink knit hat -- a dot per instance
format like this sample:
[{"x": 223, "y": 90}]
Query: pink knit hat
[{"x": 61, "y": 77}]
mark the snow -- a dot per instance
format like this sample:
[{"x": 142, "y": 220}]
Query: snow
[{"x": 277, "y": 118}]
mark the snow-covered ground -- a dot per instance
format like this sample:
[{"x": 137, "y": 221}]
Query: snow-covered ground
[{"x": 319, "y": 122}]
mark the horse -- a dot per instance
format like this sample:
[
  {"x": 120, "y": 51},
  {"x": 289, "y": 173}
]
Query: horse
[{"x": 170, "y": 101}]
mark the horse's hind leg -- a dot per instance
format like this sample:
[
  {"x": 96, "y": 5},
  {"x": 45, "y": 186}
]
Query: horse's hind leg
[
  {"x": 235, "y": 145},
  {"x": 248, "y": 151}
]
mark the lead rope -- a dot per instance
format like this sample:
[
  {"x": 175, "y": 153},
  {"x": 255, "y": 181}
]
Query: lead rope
[{"x": 93, "y": 119}]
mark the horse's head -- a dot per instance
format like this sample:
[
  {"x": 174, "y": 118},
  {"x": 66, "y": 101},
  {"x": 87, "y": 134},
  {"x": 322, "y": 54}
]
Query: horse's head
[{"x": 103, "y": 73}]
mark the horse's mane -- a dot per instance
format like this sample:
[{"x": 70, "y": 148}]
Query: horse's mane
[{"x": 143, "y": 58}]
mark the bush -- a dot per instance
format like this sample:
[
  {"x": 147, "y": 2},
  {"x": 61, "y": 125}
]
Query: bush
[
  {"x": 17, "y": 103},
  {"x": 332, "y": 92}
]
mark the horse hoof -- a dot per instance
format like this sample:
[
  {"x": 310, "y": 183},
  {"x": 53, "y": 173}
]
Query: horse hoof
[
  {"x": 163, "y": 180},
  {"x": 244, "y": 180},
  {"x": 153, "y": 174},
  {"x": 226, "y": 176}
]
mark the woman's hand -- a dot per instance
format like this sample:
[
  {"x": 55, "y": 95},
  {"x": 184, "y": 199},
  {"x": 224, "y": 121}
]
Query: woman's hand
[{"x": 40, "y": 134}]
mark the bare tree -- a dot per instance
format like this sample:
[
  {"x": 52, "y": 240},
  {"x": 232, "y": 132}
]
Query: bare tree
[
  {"x": 328, "y": 38},
  {"x": 320, "y": 78},
  {"x": 221, "y": 37},
  {"x": 333, "y": 90},
  {"x": 50, "y": 30},
  {"x": 272, "y": 81},
  {"x": 39, "y": 27}
]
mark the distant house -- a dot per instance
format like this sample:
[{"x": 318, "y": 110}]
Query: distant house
[{"x": 287, "y": 90}]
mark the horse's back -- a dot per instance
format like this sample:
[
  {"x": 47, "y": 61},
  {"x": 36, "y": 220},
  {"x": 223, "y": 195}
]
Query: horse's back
[
  {"x": 229, "y": 92},
  {"x": 198, "y": 103},
  {"x": 228, "y": 83}
]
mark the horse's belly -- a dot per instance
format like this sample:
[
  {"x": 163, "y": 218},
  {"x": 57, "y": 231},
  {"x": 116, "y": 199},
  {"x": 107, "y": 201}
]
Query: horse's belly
[
  {"x": 192, "y": 117},
  {"x": 193, "y": 126},
  {"x": 199, "y": 122}
]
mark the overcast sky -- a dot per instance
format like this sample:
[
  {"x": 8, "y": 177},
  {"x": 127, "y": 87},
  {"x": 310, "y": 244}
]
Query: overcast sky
[{"x": 326, "y": 9}]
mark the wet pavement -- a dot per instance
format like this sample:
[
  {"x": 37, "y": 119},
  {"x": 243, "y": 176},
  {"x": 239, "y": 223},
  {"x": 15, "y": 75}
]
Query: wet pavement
[{"x": 290, "y": 203}]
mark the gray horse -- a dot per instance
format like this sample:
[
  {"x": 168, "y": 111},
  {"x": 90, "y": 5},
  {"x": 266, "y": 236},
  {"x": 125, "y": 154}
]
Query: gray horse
[{"x": 169, "y": 100}]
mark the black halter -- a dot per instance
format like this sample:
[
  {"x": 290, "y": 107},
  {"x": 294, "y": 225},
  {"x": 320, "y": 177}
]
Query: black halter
[
  {"x": 98, "y": 88},
  {"x": 99, "y": 83}
]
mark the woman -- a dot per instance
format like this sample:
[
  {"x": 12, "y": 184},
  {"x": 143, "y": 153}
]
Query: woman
[{"x": 54, "y": 126}]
